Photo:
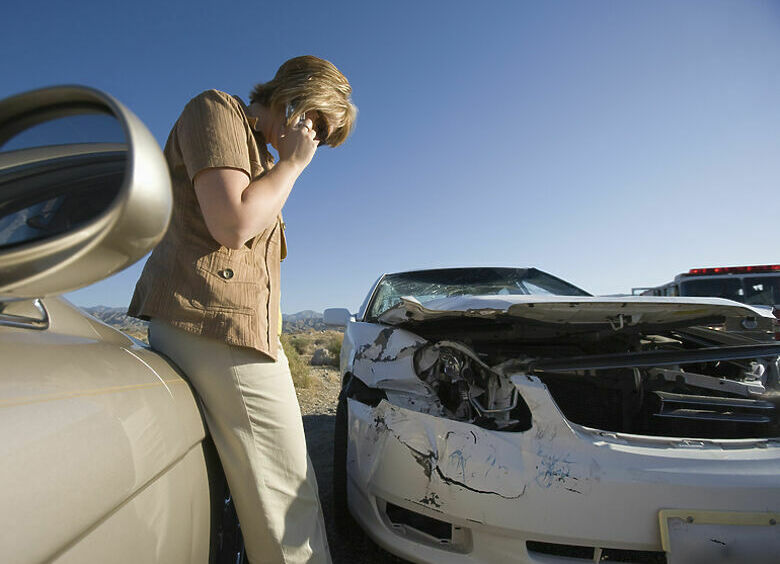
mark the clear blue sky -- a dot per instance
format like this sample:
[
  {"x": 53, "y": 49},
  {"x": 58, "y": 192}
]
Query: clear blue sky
[{"x": 612, "y": 143}]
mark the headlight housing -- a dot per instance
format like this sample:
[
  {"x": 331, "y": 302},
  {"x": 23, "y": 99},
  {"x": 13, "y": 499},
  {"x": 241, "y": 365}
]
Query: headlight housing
[{"x": 470, "y": 390}]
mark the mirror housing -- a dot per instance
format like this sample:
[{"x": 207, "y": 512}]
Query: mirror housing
[
  {"x": 127, "y": 228},
  {"x": 337, "y": 317}
]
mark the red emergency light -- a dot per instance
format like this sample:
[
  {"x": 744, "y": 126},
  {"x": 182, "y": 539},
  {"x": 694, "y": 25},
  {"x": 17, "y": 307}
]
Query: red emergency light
[{"x": 735, "y": 269}]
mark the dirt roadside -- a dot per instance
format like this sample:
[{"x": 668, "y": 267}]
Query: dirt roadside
[{"x": 318, "y": 407}]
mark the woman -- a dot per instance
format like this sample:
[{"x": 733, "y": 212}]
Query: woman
[{"x": 211, "y": 290}]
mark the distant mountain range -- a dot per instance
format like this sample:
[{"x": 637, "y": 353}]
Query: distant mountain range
[
  {"x": 116, "y": 317},
  {"x": 306, "y": 320}
]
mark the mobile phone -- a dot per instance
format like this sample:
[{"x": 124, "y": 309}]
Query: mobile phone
[{"x": 289, "y": 110}]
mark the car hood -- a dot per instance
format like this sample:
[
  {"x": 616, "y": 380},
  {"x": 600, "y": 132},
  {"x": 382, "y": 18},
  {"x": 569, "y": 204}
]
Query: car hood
[{"x": 616, "y": 312}]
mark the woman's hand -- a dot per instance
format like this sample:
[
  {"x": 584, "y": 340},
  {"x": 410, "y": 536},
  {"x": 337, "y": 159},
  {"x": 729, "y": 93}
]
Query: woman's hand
[
  {"x": 297, "y": 144},
  {"x": 235, "y": 209}
]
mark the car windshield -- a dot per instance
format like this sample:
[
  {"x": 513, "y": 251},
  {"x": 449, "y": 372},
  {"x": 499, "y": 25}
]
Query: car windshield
[
  {"x": 427, "y": 285},
  {"x": 751, "y": 290}
]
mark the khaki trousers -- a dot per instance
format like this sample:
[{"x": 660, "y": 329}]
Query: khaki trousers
[{"x": 253, "y": 415}]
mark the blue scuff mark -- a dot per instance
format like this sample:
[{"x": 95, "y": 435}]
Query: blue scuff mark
[
  {"x": 491, "y": 462},
  {"x": 554, "y": 471},
  {"x": 459, "y": 462}
]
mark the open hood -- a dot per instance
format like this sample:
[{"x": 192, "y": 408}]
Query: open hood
[{"x": 615, "y": 312}]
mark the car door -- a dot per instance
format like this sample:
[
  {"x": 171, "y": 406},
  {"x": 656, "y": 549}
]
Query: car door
[{"x": 102, "y": 448}]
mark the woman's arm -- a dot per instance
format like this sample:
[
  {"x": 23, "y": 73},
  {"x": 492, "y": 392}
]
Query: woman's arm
[{"x": 235, "y": 209}]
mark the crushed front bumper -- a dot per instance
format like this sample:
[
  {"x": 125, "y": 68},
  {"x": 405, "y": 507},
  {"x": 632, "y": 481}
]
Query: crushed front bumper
[{"x": 435, "y": 490}]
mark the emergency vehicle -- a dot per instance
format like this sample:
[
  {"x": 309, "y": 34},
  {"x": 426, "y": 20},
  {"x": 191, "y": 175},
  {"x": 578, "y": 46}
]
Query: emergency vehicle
[
  {"x": 757, "y": 285},
  {"x": 753, "y": 285}
]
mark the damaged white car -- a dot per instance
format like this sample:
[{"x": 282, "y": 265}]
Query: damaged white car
[{"x": 504, "y": 415}]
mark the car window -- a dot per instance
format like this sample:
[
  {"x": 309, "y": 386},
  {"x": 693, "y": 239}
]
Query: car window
[
  {"x": 86, "y": 128},
  {"x": 729, "y": 288},
  {"x": 60, "y": 193},
  {"x": 751, "y": 290},
  {"x": 762, "y": 290},
  {"x": 429, "y": 285},
  {"x": 536, "y": 289},
  {"x": 59, "y": 173},
  {"x": 29, "y": 223}
]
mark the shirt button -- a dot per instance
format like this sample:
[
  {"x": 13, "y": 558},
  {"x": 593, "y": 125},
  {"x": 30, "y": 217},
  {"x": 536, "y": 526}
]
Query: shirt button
[{"x": 227, "y": 274}]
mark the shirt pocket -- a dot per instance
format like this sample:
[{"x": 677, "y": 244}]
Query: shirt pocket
[{"x": 228, "y": 282}]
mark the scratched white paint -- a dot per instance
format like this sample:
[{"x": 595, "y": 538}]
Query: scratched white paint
[
  {"x": 558, "y": 481},
  {"x": 385, "y": 360},
  {"x": 429, "y": 404}
]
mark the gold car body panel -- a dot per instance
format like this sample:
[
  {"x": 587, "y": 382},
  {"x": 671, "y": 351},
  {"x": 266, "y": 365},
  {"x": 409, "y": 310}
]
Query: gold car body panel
[
  {"x": 91, "y": 424},
  {"x": 167, "y": 512}
]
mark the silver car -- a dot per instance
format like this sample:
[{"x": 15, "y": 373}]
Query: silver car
[{"x": 105, "y": 456}]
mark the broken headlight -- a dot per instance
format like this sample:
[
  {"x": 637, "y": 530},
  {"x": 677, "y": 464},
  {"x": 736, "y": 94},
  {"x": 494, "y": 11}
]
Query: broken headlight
[{"x": 469, "y": 389}]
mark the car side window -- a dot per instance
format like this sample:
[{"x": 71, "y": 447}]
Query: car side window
[
  {"x": 84, "y": 128},
  {"x": 59, "y": 193},
  {"x": 29, "y": 223}
]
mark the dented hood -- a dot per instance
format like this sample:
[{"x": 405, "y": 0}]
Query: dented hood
[{"x": 616, "y": 312}]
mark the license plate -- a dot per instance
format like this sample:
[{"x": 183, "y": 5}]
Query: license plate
[{"x": 717, "y": 537}]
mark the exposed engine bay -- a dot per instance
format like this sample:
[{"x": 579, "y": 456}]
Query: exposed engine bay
[
  {"x": 688, "y": 382},
  {"x": 469, "y": 389}
]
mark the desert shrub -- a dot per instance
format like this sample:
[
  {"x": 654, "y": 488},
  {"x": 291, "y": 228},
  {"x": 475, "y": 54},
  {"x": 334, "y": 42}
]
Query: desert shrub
[
  {"x": 333, "y": 344},
  {"x": 298, "y": 367},
  {"x": 300, "y": 343}
]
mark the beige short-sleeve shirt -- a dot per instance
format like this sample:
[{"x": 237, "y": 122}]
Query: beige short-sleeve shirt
[{"x": 191, "y": 281}]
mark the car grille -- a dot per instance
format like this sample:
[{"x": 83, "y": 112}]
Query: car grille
[{"x": 596, "y": 554}]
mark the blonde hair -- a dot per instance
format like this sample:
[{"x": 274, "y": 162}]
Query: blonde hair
[{"x": 309, "y": 83}]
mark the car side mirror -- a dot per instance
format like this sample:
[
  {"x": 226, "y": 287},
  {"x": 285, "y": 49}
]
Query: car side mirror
[
  {"x": 84, "y": 190},
  {"x": 337, "y": 317}
]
